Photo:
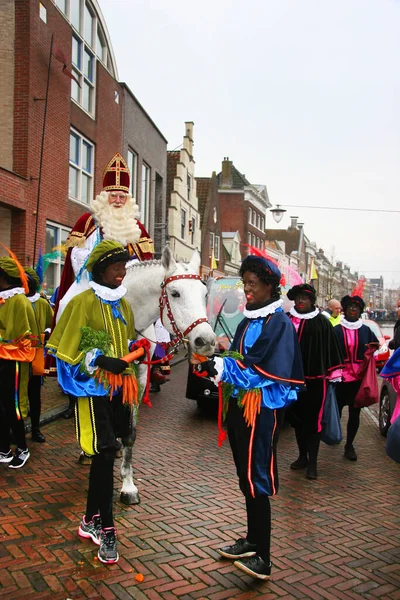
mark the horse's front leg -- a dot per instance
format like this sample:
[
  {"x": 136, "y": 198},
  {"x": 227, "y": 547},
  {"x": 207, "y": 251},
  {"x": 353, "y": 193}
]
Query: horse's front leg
[{"x": 129, "y": 492}]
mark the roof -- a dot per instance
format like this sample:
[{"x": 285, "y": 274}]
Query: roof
[
  {"x": 202, "y": 190},
  {"x": 239, "y": 181},
  {"x": 172, "y": 160}
]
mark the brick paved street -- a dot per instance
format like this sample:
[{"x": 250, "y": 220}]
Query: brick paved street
[{"x": 338, "y": 537}]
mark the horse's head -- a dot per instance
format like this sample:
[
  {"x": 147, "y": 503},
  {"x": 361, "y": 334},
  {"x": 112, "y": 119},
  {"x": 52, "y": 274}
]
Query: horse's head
[{"x": 186, "y": 299}]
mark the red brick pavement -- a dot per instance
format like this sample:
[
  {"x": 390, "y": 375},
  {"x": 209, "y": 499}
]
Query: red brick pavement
[{"x": 336, "y": 538}]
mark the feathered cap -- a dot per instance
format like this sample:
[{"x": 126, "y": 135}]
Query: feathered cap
[
  {"x": 13, "y": 268},
  {"x": 108, "y": 251},
  {"x": 347, "y": 300},
  {"x": 261, "y": 258},
  {"x": 303, "y": 288},
  {"x": 116, "y": 175}
]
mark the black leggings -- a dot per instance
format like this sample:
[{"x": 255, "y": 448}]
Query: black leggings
[
  {"x": 8, "y": 415},
  {"x": 259, "y": 525},
  {"x": 34, "y": 393},
  {"x": 101, "y": 488},
  {"x": 345, "y": 395}
]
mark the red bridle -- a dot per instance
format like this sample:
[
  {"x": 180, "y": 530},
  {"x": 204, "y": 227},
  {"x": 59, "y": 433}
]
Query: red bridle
[{"x": 164, "y": 304}]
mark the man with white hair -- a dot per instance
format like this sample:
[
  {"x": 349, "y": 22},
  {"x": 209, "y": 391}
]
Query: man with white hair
[{"x": 114, "y": 216}]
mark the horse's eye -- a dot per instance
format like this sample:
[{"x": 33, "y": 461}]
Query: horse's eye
[{"x": 175, "y": 294}]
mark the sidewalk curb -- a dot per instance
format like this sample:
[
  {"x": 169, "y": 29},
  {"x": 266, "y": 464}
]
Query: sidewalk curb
[{"x": 56, "y": 413}]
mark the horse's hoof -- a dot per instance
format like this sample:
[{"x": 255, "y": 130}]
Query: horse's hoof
[{"x": 130, "y": 498}]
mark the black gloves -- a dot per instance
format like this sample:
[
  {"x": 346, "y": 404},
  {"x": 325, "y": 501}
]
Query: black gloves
[
  {"x": 47, "y": 335},
  {"x": 114, "y": 365},
  {"x": 206, "y": 368}
]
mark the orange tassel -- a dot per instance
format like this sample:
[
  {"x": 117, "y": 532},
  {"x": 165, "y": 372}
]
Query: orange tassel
[{"x": 22, "y": 275}]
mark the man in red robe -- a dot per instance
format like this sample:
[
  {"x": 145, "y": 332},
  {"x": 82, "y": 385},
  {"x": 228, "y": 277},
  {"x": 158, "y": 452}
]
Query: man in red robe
[{"x": 114, "y": 216}]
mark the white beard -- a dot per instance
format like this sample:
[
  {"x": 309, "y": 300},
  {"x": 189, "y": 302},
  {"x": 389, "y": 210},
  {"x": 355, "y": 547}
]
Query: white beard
[{"x": 118, "y": 224}]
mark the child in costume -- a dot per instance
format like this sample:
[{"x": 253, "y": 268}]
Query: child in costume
[
  {"x": 89, "y": 341},
  {"x": 18, "y": 338},
  {"x": 263, "y": 374},
  {"x": 44, "y": 317},
  {"x": 322, "y": 361},
  {"x": 355, "y": 339}
]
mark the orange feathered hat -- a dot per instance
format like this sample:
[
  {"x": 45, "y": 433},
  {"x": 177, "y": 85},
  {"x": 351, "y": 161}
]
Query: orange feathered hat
[{"x": 116, "y": 175}]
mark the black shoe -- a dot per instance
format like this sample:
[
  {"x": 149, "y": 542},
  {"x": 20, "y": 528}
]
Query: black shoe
[
  {"x": 312, "y": 472},
  {"x": 108, "y": 546},
  {"x": 255, "y": 567},
  {"x": 19, "y": 459},
  {"x": 37, "y": 436},
  {"x": 350, "y": 453},
  {"x": 69, "y": 413},
  {"x": 300, "y": 463},
  {"x": 240, "y": 549},
  {"x": 155, "y": 387}
]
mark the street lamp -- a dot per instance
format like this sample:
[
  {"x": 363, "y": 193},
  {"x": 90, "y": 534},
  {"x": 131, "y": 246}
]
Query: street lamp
[{"x": 278, "y": 213}]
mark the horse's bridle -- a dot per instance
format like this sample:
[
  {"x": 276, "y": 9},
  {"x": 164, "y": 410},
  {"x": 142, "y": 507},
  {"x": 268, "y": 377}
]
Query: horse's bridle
[{"x": 164, "y": 304}]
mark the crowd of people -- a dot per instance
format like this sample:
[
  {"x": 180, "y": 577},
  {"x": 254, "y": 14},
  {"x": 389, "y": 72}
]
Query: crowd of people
[{"x": 278, "y": 365}]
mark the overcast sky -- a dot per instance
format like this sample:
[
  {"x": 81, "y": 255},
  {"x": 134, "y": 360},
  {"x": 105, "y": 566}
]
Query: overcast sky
[{"x": 302, "y": 95}]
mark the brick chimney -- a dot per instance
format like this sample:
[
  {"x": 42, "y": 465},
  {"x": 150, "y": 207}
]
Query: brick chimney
[
  {"x": 293, "y": 222},
  {"x": 226, "y": 176}
]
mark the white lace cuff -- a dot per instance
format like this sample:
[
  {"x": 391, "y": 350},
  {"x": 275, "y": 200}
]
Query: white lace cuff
[
  {"x": 219, "y": 366},
  {"x": 89, "y": 360}
]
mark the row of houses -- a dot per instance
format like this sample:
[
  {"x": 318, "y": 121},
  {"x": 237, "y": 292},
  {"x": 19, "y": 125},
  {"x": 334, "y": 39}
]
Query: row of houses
[{"x": 64, "y": 113}]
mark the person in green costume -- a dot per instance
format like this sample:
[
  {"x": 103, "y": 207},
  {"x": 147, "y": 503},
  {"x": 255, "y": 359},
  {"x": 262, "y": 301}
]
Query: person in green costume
[
  {"x": 17, "y": 350},
  {"x": 93, "y": 333},
  {"x": 44, "y": 318}
]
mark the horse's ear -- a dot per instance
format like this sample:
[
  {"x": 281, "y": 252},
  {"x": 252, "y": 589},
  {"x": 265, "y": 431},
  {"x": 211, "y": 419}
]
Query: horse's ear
[
  {"x": 167, "y": 260},
  {"x": 195, "y": 262}
]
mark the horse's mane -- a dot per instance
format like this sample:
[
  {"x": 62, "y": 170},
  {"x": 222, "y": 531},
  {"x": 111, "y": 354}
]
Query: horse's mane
[{"x": 134, "y": 264}]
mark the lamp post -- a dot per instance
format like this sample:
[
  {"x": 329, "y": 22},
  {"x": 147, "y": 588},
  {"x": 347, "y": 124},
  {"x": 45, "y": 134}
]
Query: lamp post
[{"x": 278, "y": 213}]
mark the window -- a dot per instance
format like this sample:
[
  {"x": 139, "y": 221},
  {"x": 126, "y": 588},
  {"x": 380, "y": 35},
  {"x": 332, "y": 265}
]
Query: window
[
  {"x": 250, "y": 215},
  {"x": 61, "y": 5},
  {"x": 132, "y": 164},
  {"x": 183, "y": 223},
  {"x": 75, "y": 13},
  {"x": 258, "y": 221},
  {"x": 211, "y": 242},
  {"x": 81, "y": 161},
  {"x": 55, "y": 237},
  {"x": 83, "y": 67},
  {"x": 144, "y": 202},
  {"x": 101, "y": 46},
  {"x": 262, "y": 223},
  {"x": 249, "y": 238},
  {"x": 43, "y": 12},
  {"x": 216, "y": 247},
  {"x": 189, "y": 186},
  {"x": 192, "y": 229}
]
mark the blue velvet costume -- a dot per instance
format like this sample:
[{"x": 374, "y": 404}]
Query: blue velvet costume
[{"x": 271, "y": 362}]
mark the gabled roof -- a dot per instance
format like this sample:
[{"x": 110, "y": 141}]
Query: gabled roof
[
  {"x": 239, "y": 181},
  {"x": 172, "y": 160},
  {"x": 202, "y": 190}
]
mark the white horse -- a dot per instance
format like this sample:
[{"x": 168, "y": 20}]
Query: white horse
[{"x": 176, "y": 291}]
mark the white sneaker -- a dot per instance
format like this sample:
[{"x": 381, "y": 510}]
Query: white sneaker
[
  {"x": 6, "y": 457},
  {"x": 20, "y": 458}
]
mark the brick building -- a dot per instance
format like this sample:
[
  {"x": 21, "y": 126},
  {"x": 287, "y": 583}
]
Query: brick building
[
  {"x": 242, "y": 206},
  {"x": 210, "y": 225},
  {"x": 42, "y": 194}
]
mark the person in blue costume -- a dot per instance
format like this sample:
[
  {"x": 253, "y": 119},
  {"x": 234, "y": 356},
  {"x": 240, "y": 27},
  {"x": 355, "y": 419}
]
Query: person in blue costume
[{"x": 262, "y": 375}]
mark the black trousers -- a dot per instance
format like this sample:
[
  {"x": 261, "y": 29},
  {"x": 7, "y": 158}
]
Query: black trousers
[
  {"x": 35, "y": 403},
  {"x": 345, "y": 395},
  {"x": 101, "y": 487},
  {"x": 8, "y": 414}
]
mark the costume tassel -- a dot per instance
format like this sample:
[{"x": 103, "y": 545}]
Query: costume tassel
[
  {"x": 16, "y": 391},
  {"x": 221, "y": 431}
]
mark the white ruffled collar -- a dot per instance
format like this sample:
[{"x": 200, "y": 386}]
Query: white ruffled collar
[
  {"x": 264, "y": 311},
  {"x": 351, "y": 324},
  {"x": 34, "y": 298},
  {"x": 6, "y": 294},
  {"x": 106, "y": 293},
  {"x": 309, "y": 315}
]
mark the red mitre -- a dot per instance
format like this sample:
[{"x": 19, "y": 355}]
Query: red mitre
[{"x": 116, "y": 174}]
